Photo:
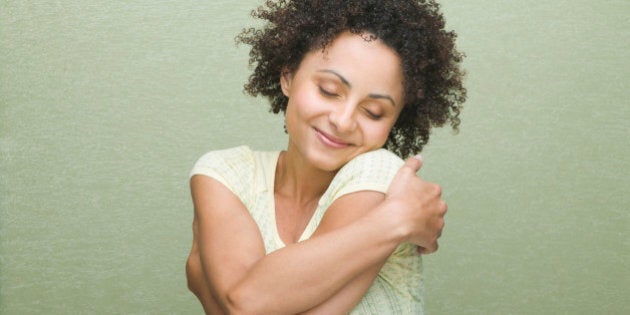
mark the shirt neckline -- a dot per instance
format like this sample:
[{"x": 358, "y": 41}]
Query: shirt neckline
[{"x": 271, "y": 175}]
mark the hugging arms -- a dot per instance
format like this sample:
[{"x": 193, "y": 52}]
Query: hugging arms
[{"x": 328, "y": 273}]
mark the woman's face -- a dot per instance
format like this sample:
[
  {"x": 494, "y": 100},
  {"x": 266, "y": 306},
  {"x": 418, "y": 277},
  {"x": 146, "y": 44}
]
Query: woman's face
[{"x": 343, "y": 101}]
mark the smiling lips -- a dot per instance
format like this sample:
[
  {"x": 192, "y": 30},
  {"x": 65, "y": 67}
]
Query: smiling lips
[{"x": 331, "y": 141}]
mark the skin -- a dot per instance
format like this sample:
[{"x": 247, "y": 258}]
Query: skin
[{"x": 342, "y": 102}]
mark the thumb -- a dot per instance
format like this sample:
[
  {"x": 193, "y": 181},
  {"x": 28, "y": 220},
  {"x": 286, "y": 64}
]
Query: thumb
[{"x": 414, "y": 163}]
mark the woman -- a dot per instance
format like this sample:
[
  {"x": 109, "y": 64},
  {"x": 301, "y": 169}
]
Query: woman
[{"x": 318, "y": 228}]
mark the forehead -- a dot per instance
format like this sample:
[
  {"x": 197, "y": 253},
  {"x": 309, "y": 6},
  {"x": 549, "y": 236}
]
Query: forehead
[
  {"x": 360, "y": 48},
  {"x": 361, "y": 59}
]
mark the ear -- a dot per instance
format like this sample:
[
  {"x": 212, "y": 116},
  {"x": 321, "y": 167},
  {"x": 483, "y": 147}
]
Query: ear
[{"x": 286, "y": 79}]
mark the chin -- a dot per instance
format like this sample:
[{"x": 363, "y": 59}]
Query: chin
[
  {"x": 330, "y": 163},
  {"x": 327, "y": 164}
]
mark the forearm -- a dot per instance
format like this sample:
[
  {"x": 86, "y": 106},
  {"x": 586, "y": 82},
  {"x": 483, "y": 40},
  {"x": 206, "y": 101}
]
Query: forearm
[
  {"x": 357, "y": 233},
  {"x": 349, "y": 296},
  {"x": 304, "y": 275},
  {"x": 197, "y": 284}
]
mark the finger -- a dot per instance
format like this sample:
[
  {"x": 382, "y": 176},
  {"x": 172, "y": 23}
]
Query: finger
[
  {"x": 414, "y": 163},
  {"x": 428, "y": 250},
  {"x": 424, "y": 251}
]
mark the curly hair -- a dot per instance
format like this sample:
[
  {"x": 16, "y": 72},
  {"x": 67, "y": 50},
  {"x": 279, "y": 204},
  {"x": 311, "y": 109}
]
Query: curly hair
[{"x": 414, "y": 29}]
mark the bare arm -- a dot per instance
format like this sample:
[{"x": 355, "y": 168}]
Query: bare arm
[
  {"x": 197, "y": 280},
  {"x": 407, "y": 190},
  {"x": 227, "y": 242},
  {"x": 308, "y": 273},
  {"x": 242, "y": 279},
  {"x": 345, "y": 212},
  {"x": 335, "y": 218}
]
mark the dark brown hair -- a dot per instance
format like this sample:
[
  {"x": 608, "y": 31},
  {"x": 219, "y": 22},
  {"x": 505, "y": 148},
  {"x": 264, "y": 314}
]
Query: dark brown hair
[{"x": 430, "y": 62}]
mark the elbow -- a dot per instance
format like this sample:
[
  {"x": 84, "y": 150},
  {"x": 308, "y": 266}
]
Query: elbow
[
  {"x": 241, "y": 301},
  {"x": 238, "y": 301},
  {"x": 234, "y": 302},
  {"x": 195, "y": 277},
  {"x": 194, "y": 274}
]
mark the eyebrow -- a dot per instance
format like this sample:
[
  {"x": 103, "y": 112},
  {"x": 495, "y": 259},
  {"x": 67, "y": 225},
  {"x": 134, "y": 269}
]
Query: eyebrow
[
  {"x": 347, "y": 83},
  {"x": 344, "y": 80},
  {"x": 387, "y": 97}
]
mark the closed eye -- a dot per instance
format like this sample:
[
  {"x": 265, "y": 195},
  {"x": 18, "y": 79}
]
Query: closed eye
[
  {"x": 327, "y": 93},
  {"x": 372, "y": 115}
]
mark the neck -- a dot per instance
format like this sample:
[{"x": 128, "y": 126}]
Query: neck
[{"x": 299, "y": 180}]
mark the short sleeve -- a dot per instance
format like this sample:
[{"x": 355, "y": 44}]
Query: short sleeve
[
  {"x": 399, "y": 286},
  {"x": 232, "y": 167},
  {"x": 372, "y": 170}
]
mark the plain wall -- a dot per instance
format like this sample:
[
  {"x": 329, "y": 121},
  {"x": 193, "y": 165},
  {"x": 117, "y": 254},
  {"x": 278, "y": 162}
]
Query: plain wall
[{"x": 105, "y": 106}]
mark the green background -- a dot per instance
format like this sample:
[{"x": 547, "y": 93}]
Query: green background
[{"x": 105, "y": 106}]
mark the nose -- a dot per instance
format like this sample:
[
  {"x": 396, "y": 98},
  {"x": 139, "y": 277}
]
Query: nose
[{"x": 343, "y": 118}]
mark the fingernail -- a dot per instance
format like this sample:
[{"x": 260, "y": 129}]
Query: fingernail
[{"x": 418, "y": 157}]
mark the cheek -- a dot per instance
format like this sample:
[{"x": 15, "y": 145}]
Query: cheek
[
  {"x": 377, "y": 133},
  {"x": 305, "y": 105},
  {"x": 299, "y": 112}
]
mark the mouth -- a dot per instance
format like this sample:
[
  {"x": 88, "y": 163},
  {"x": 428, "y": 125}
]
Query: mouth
[{"x": 330, "y": 140}]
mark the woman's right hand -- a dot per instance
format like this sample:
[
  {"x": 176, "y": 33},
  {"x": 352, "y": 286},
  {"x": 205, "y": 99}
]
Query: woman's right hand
[{"x": 419, "y": 205}]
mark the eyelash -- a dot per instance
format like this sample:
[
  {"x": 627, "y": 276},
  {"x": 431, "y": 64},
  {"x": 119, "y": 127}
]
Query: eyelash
[
  {"x": 369, "y": 113},
  {"x": 326, "y": 93},
  {"x": 372, "y": 115}
]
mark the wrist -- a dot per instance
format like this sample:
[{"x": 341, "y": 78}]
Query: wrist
[{"x": 394, "y": 226}]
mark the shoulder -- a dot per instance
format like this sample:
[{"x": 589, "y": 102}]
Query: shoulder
[
  {"x": 238, "y": 154},
  {"x": 372, "y": 171},
  {"x": 375, "y": 166},
  {"x": 232, "y": 167},
  {"x": 378, "y": 161}
]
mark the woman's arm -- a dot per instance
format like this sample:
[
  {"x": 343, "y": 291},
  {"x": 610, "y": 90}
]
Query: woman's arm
[
  {"x": 344, "y": 211},
  {"x": 332, "y": 270},
  {"x": 197, "y": 280},
  {"x": 416, "y": 202},
  {"x": 303, "y": 275},
  {"x": 335, "y": 218},
  {"x": 227, "y": 242},
  {"x": 406, "y": 190}
]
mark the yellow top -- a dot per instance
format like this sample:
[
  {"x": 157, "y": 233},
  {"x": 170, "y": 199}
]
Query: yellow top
[{"x": 398, "y": 288}]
